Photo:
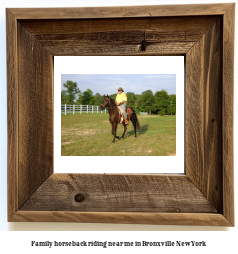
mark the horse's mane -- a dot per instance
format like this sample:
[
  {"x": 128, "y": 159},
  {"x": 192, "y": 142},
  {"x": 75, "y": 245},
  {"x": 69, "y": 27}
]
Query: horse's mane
[{"x": 112, "y": 102}]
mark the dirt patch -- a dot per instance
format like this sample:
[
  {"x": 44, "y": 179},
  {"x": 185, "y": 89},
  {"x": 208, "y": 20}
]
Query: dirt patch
[
  {"x": 147, "y": 116},
  {"x": 78, "y": 132},
  {"x": 139, "y": 150},
  {"x": 172, "y": 154},
  {"x": 66, "y": 143},
  {"x": 86, "y": 132}
]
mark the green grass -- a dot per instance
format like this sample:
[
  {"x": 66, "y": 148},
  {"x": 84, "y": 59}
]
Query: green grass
[{"x": 90, "y": 134}]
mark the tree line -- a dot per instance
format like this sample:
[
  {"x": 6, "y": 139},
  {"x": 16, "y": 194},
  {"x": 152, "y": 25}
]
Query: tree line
[{"x": 159, "y": 103}]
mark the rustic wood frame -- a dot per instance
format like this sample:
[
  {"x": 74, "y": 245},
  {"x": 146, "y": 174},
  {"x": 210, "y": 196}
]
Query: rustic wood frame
[{"x": 204, "y": 34}]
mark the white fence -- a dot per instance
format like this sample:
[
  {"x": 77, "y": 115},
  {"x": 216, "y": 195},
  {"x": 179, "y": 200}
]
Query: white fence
[
  {"x": 81, "y": 109},
  {"x": 144, "y": 113}
]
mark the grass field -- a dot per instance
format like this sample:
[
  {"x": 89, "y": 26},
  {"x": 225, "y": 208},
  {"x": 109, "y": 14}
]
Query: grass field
[{"x": 90, "y": 134}]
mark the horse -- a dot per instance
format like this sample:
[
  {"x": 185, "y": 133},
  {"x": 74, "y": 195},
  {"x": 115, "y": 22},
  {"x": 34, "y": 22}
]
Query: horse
[{"x": 114, "y": 117}]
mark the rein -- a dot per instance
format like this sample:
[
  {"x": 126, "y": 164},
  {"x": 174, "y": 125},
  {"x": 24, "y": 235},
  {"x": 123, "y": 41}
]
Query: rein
[
  {"x": 109, "y": 104},
  {"x": 112, "y": 107}
]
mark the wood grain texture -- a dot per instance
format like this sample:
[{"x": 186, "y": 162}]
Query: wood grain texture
[
  {"x": 35, "y": 100},
  {"x": 119, "y": 36},
  {"x": 227, "y": 113},
  {"x": 12, "y": 116},
  {"x": 204, "y": 196},
  {"x": 59, "y": 48},
  {"x": 122, "y": 12},
  {"x": 197, "y": 219},
  {"x": 190, "y": 26},
  {"x": 114, "y": 193},
  {"x": 203, "y": 121}
]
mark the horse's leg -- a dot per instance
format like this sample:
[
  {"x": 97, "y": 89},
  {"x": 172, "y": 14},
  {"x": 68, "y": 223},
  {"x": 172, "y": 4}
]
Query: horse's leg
[
  {"x": 114, "y": 131},
  {"x": 125, "y": 128},
  {"x": 134, "y": 119}
]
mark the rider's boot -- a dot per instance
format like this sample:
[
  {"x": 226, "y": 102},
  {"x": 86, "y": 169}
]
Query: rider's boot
[{"x": 126, "y": 121}]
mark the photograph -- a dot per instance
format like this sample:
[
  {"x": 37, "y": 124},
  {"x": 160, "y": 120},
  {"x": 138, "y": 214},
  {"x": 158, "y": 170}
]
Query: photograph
[
  {"x": 93, "y": 92},
  {"x": 136, "y": 112}
]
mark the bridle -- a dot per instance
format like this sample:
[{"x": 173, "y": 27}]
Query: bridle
[{"x": 108, "y": 101}]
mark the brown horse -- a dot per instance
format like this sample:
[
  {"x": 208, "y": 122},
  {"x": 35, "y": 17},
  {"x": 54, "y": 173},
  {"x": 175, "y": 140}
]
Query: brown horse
[{"x": 114, "y": 116}]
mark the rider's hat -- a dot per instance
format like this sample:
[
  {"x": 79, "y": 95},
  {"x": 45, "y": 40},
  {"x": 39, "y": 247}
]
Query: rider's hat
[{"x": 120, "y": 89}]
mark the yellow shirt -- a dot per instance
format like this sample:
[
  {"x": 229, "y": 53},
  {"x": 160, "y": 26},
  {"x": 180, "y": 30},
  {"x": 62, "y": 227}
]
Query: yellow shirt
[{"x": 121, "y": 97}]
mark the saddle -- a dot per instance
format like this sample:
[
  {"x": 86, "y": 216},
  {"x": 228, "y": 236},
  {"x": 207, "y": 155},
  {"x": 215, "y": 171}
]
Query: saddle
[{"x": 128, "y": 111}]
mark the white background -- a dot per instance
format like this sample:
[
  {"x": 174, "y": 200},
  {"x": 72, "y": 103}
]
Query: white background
[
  {"x": 218, "y": 242},
  {"x": 120, "y": 65}
]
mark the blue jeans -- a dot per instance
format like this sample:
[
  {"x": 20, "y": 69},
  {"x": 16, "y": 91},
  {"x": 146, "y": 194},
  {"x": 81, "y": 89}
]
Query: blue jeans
[{"x": 123, "y": 107}]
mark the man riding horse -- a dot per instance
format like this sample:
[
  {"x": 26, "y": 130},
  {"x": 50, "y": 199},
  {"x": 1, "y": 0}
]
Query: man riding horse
[
  {"x": 114, "y": 117},
  {"x": 121, "y": 100}
]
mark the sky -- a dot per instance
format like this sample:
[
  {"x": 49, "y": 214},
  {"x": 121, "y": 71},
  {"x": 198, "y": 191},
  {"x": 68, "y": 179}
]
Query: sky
[{"x": 109, "y": 83}]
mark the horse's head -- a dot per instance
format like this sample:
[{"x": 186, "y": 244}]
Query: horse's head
[{"x": 105, "y": 102}]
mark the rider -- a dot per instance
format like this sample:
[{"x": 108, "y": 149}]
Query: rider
[{"x": 121, "y": 100}]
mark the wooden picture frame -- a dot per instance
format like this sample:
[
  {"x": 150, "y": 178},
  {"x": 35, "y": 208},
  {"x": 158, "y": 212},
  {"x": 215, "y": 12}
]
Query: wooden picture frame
[{"x": 204, "y": 34}]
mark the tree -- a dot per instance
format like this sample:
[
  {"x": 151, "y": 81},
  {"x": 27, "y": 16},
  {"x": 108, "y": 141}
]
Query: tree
[
  {"x": 98, "y": 99},
  {"x": 86, "y": 98},
  {"x": 131, "y": 99},
  {"x": 146, "y": 101},
  {"x": 69, "y": 95},
  {"x": 172, "y": 99},
  {"x": 113, "y": 96},
  {"x": 79, "y": 100},
  {"x": 161, "y": 102},
  {"x": 137, "y": 102},
  {"x": 64, "y": 98}
]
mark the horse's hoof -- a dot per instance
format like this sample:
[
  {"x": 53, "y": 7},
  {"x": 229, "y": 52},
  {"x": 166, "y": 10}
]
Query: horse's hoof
[{"x": 135, "y": 137}]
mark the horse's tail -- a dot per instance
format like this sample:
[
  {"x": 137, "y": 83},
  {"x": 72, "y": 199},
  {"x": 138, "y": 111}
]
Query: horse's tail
[
  {"x": 137, "y": 125},
  {"x": 134, "y": 119}
]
